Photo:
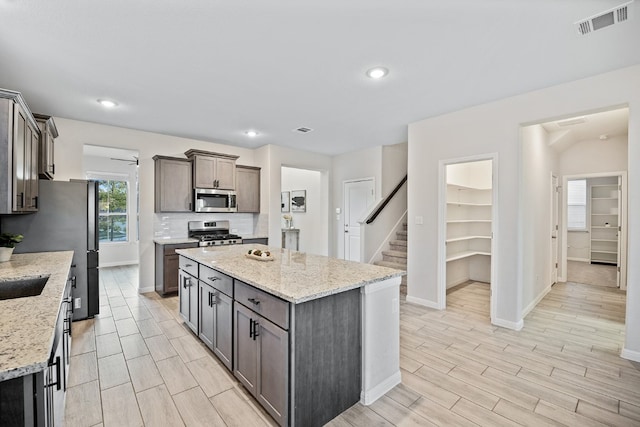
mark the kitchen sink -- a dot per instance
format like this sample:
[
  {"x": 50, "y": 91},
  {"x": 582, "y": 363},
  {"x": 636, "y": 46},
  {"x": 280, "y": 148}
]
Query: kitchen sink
[{"x": 24, "y": 287}]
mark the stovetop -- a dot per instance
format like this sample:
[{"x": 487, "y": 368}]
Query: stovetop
[{"x": 211, "y": 233}]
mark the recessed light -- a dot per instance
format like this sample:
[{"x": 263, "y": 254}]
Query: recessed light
[
  {"x": 377, "y": 72},
  {"x": 251, "y": 133},
  {"x": 604, "y": 137},
  {"x": 107, "y": 103}
]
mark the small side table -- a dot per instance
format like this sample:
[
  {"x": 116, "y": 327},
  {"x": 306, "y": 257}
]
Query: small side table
[{"x": 291, "y": 238}]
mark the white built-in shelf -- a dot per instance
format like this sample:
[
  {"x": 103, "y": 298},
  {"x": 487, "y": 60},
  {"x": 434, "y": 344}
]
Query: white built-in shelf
[
  {"x": 604, "y": 214},
  {"x": 466, "y": 254},
  {"x": 605, "y": 240},
  {"x": 595, "y": 251},
  {"x": 604, "y": 198},
  {"x": 613, "y": 227},
  {"x": 462, "y": 221},
  {"x": 460, "y": 239}
]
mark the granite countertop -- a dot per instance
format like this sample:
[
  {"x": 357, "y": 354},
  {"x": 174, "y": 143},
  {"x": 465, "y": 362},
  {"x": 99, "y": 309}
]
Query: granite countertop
[
  {"x": 175, "y": 241},
  {"x": 293, "y": 276},
  {"x": 27, "y": 325}
]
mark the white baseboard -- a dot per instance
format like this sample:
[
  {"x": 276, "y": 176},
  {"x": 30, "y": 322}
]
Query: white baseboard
[
  {"x": 457, "y": 282},
  {"x": 117, "y": 264},
  {"x": 423, "y": 302},
  {"x": 536, "y": 301},
  {"x": 145, "y": 290},
  {"x": 516, "y": 326},
  {"x": 367, "y": 397},
  {"x": 630, "y": 354}
]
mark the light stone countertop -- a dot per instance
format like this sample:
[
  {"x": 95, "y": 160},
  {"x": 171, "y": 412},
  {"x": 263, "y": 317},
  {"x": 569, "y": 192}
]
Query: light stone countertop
[
  {"x": 293, "y": 276},
  {"x": 175, "y": 241},
  {"x": 27, "y": 325}
]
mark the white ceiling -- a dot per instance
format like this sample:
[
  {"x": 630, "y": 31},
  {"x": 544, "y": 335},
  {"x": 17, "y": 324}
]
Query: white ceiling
[
  {"x": 607, "y": 123},
  {"x": 212, "y": 69}
]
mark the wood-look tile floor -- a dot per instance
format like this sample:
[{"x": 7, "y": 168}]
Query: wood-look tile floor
[{"x": 136, "y": 364}]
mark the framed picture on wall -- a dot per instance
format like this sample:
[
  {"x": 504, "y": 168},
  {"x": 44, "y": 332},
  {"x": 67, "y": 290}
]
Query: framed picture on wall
[
  {"x": 284, "y": 201},
  {"x": 299, "y": 201}
]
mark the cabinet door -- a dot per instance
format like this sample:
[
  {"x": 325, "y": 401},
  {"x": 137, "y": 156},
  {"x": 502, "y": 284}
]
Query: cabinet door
[
  {"x": 245, "y": 366},
  {"x": 188, "y": 293},
  {"x": 222, "y": 328},
  {"x": 273, "y": 369},
  {"x": 19, "y": 174},
  {"x": 248, "y": 189},
  {"x": 31, "y": 167},
  {"x": 204, "y": 172},
  {"x": 170, "y": 273},
  {"x": 173, "y": 190},
  {"x": 226, "y": 174},
  {"x": 207, "y": 310}
]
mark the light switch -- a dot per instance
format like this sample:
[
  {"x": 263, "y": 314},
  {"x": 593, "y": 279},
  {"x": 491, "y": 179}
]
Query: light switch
[
  {"x": 338, "y": 211},
  {"x": 419, "y": 220}
]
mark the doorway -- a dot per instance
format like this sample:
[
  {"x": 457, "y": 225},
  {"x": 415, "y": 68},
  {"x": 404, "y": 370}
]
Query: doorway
[
  {"x": 359, "y": 196},
  {"x": 468, "y": 202},
  {"x": 555, "y": 229}
]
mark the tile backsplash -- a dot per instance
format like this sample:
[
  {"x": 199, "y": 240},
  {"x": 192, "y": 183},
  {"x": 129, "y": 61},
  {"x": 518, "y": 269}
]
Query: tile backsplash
[{"x": 174, "y": 225}]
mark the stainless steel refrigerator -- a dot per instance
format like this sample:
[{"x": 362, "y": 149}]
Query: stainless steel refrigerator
[{"x": 67, "y": 219}]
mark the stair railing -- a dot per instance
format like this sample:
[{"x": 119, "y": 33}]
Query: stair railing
[{"x": 390, "y": 214}]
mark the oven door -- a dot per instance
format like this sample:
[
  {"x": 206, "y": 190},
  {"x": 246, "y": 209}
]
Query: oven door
[{"x": 210, "y": 200}]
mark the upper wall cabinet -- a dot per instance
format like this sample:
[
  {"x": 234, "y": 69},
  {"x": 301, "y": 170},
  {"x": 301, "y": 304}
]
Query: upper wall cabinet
[
  {"x": 213, "y": 170},
  {"x": 19, "y": 140},
  {"x": 172, "y": 184},
  {"x": 48, "y": 133},
  {"x": 248, "y": 189}
]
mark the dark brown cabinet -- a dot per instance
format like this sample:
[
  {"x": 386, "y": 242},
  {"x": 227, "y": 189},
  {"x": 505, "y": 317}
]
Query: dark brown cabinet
[
  {"x": 213, "y": 170},
  {"x": 248, "y": 189},
  {"x": 188, "y": 292},
  {"x": 173, "y": 185},
  {"x": 262, "y": 361},
  {"x": 216, "y": 319},
  {"x": 167, "y": 265},
  {"x": 19, "y": 136},
  {"x": 48, "y": 134}
]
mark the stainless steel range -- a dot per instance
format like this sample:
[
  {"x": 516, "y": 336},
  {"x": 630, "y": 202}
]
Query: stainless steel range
[{"x": 213, "y": 233}]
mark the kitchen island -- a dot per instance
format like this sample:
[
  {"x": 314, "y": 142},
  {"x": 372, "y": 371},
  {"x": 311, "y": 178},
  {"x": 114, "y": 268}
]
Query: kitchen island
[{"x": 310, "y": 335}]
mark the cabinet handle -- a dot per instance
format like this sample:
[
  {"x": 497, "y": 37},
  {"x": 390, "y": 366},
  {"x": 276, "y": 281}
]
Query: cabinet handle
[
  {"x": 186, "y": 282},
  {"x": 213, "y": 279},
  {"x": 188, "y": 265},
  {"x": 250, "y": 328},
  {"x": 53, "y": 169},
  {"x": 253, "y": 301},
  {"x": 256, "y": 325},
  {"x": 214, "y": 299}
]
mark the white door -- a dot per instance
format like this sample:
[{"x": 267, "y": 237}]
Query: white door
[
  {"x": 358, "y": 197},
  {"x": 555, "y": 195}
]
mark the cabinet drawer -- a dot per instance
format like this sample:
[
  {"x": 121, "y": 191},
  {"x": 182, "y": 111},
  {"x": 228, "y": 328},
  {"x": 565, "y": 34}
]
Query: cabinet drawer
[
  {"x": 220, "y": 281},
  {"x": 189, "y": 266},
  {"x": 270, "y": 307}
]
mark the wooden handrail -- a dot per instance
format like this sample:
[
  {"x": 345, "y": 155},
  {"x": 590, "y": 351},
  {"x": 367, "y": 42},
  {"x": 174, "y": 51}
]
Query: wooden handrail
[{"x": 386, "y": 201}]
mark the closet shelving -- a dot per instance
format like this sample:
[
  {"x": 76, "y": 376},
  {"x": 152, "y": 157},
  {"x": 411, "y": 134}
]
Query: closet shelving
[
  {"x": 605, "y": 220},
  {"x": 468, "y": 238}
]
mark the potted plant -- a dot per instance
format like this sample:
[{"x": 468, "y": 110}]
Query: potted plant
[{"x": 7, "y": 243}]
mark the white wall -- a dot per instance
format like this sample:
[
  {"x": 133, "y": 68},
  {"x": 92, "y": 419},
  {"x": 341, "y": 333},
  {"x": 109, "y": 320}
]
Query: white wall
[
  {"x": 118, "y": 253},
  {"x": 595, "y": 156},
  {"x": 470, "y": 174},
  {"x": 578, "y": 245},
  {"x": 313, "y": 239},
  {"x": 69, "y": 165},
  {"x": 271, "y": 158},
  {"x": 387, "y": 165},
  {"x": 496, "y": 127},
  {"x": 539, "y": 162}
]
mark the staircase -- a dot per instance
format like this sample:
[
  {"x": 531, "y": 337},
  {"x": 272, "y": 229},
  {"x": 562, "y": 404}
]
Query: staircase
[{"x": 396, "y": 256}]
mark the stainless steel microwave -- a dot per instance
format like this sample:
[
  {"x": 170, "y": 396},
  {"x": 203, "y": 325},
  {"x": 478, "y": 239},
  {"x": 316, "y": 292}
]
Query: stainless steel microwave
[{"x": 211, "y": 200}]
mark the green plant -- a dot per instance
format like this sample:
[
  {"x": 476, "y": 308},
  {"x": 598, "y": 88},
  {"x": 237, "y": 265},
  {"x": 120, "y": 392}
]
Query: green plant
[{"x": 8, "y": 240}]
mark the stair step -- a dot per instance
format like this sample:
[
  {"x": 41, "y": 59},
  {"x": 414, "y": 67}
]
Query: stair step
[
  {"x": 398, "y": 243},
  {"x": 395, "y": 254},
  {"x": 401, "y": 235},
  {"x": 391, "y": 265}
]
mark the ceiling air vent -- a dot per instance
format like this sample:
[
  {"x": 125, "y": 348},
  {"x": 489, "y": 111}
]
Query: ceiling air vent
[
  {"x": 602, "y": 20},
  {"x": 571, "y": 122},
  {"x": 303, "y": 129}
]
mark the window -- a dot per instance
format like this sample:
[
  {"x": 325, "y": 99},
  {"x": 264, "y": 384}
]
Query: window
[
  {"x": 577, "y": 204},
  {"x": 112, "y": 217}
]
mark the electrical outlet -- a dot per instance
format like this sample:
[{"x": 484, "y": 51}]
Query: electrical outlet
[{"x": 77, "y": 303}]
